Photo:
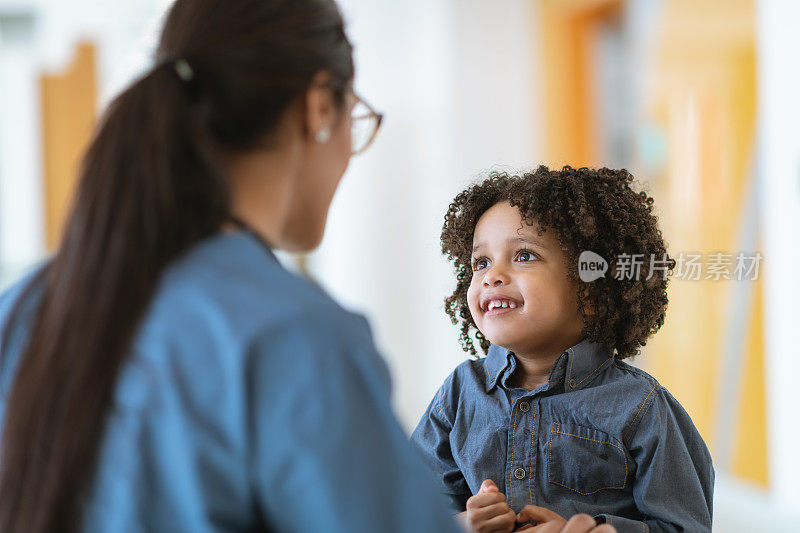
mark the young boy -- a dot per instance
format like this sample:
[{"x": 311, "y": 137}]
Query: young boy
[{"x": 552, "y": 417}]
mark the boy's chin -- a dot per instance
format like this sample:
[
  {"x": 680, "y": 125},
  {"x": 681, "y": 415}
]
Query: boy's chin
[
  {"x": 504, "y": 341},
  {"x": 512, "y": 342},
  {"x": 508, "y": 336}
]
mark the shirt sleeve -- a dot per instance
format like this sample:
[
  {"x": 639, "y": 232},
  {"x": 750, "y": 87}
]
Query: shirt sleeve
[
  {"x": 432, "y": 439},
  {"x": 327, "y": 452},
  {"x": 674, "y": 481}
]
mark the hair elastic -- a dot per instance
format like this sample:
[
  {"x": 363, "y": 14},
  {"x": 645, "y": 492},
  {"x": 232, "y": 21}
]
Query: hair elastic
[{"x": 183, "y": 69}]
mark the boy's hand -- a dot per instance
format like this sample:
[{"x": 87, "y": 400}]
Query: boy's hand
[
  {"x": 548, "y": 521},
  {"x": 488, "y": 512}
]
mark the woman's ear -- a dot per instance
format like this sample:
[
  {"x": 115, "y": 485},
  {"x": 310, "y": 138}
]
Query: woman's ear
[{"x": 319, "y": 108}]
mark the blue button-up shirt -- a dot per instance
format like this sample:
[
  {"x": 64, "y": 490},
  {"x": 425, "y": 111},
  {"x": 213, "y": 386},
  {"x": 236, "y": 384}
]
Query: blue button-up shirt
[
  {"x": 600, "y": 437},
  {"x": 250, "y": 400}
]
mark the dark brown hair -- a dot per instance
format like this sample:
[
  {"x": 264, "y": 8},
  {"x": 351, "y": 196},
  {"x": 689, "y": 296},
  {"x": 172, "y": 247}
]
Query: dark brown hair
[
  {"x": 151, "y": 185},
  {"x": 594, "y": 210}
]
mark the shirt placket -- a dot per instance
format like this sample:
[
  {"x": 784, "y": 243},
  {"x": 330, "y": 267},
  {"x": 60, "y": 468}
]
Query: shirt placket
[{"x": 520, "y": 465}]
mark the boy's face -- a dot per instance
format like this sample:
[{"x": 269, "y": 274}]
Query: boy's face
[{"x": 526, "y": 273}]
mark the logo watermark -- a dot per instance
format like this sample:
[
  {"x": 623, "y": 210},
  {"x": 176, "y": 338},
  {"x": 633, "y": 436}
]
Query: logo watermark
[
  {"x": 690, "y": 266},
  {"x": 591, "y": 266}
]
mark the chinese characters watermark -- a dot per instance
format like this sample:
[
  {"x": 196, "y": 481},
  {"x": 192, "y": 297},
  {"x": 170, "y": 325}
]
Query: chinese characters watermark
[{"x": 741, "y": 266}]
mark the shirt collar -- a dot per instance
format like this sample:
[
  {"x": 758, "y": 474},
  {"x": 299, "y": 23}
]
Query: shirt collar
[
  {"x": 577, "y": 366},
  {"x": 497, "y": 360}
]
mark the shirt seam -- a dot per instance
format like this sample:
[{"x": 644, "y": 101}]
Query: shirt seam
[
  {"x": 592, "y": 373},
  {"x": 441, "y": 411},
  {"x": 491, "y": 379},
  {"x": 571, "y": 361},
  {"x": 638, "y": 413},
  {"x": 530, "y": 466},
  {"x": 635, "y": 371}
]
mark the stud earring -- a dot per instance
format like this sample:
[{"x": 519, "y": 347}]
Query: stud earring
[{"x": 323, "y": 135}]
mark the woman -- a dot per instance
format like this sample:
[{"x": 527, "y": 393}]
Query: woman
[{"x": 163, "y": 372}]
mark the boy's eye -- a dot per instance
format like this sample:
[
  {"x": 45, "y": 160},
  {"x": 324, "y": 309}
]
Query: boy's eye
[
  {"x": 525, "y": 256},
  {"x": 479, "y": 264}
]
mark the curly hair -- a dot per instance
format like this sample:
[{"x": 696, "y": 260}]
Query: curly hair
[{"x": 588, "y": 209}]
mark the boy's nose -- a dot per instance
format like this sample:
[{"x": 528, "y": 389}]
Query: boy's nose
[{"x": 494, "y": 278}]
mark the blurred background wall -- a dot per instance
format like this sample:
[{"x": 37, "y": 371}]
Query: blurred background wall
[{"x": 698, "y": 98}]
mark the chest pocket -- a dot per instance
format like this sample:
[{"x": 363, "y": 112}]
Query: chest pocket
[{"x": 585, "y": 460}]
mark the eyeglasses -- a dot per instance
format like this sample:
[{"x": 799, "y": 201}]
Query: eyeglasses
[{"x": 365, "y": 124}]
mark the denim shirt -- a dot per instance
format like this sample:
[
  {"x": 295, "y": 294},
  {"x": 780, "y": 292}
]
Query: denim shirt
[
  {"x": 249, "y": 401},
  {"x": 600, "y": 437}
]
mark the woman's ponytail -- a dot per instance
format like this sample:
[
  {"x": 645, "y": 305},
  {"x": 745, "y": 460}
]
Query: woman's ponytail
[{"x": 150, "y": 188}]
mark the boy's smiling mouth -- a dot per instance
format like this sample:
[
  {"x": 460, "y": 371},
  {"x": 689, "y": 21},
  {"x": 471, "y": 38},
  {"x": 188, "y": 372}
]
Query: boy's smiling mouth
[{"x": 498, "y": 305}]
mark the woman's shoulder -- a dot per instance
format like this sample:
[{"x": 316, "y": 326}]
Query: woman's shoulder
[
  {"x": 238, "y": 262},
  {"x": 18, "y": 302},
  {"x": 227, "y": 306},
  {"x": 231, "y": 282},
  {"x": 11, "y": 294}
]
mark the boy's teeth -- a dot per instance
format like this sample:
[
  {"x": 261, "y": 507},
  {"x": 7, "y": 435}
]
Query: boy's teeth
[{"x": 499, "y": 304}]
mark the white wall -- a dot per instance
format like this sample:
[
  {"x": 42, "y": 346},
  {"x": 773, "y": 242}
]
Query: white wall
[
  {"x": 454, "y": 79},
  {"x": 125, "y": 34},
  {"x": 21, "y": 223},
  {"x": 779, "y": 170}
]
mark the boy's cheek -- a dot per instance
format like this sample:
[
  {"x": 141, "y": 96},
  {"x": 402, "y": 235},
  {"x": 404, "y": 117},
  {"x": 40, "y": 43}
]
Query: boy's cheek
[
  {"x": 474, "y": 304},
  {"x": 476, "y": 316}
]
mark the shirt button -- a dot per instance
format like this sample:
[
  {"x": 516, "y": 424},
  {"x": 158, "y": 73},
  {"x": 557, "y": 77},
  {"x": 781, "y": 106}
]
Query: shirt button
[
  {"x": 571, "y": 383},
  {"x": 519, "y": 473},
  {"x": 524, "y": 407}
]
